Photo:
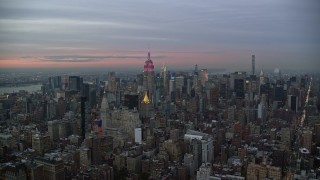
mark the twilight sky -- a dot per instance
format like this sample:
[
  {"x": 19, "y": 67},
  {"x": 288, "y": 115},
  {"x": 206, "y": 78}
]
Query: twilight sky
[{"x": 117, "y": 34}]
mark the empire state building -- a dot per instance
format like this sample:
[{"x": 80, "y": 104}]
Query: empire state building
[{"x": 148, "y": 77}]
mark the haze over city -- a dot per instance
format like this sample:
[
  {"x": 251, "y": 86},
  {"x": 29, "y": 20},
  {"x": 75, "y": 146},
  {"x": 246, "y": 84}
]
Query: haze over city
[
  {"x": 116, "y": 34},
  {"x": 159, "y": 89}
]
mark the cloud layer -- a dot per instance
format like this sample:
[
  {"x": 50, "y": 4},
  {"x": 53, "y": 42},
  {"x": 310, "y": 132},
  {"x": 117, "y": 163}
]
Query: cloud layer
[{"x": 216, "y": 33}]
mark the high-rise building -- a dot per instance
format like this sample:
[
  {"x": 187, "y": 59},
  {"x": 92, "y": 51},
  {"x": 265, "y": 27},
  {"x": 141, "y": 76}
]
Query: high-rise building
[
  {"x": 148, "y": 77},
  {"x": 239, "y": 87},
  {"x": 41, "y": 143},
  {"x": 261, "y": 77},
  {"x": 51, "y": 109},
  {"x": 171, "y": 86},
  {"x": 138, "y": 135},
  {"x": 196, "y": 73},
  {"x": 286, "y": 137},
  {"x": 206, "y": 143},
  {"x": 253, "y": 64},
  {"x": 307, "y": 139},
  {"x": 293, "y": 103},
  {"x": 188, "y": 160},
  {"x": 146, "y": 106},
  {"x": 317, "y": 132},
  {"x": 164, "y": 76},
  {"x": 204, "y": 76},
  {"x": 85, "y": 157},
  {"x": 74, "y": 83},
  {"x": 261, "y": 172},
  {"x": 112, "y": 82},
  {"x": 53, "y": 130},
  {"x": 204, "y": 171},
  {"x": 105, "y": 113},
  {"x": 53, "y": 168},
  {"x": 55, "y": 82},
  {"x": 179, "y": 83},
  {"x": 262, "y": 111}
]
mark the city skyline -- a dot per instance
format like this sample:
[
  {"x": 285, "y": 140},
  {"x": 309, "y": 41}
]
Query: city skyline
[{"x": 116, "y": 35}]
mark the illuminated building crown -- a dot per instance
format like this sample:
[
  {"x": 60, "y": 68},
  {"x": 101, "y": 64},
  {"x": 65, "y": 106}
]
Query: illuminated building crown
[
  {"x": 146, "y": 99},
  {"x": 148, "y": 66}
]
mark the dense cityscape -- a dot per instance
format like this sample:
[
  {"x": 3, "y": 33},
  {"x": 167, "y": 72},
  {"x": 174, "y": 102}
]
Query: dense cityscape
[
  {"x": 162, "y": 124},
  {"x": 159, "y": 90}
]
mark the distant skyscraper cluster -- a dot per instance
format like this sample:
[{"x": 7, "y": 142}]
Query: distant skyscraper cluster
[{"x": 164, "y": 124}]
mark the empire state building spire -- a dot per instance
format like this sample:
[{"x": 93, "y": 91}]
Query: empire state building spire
[
  {"x": 148, "y": 66},
  {"x": 148, "y": 76}
]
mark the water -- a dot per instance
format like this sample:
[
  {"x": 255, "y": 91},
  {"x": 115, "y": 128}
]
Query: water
[{"x": 29, "y": 88}]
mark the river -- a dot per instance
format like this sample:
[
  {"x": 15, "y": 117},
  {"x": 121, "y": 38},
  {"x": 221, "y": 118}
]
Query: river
[{"x": 29, "y": 88}]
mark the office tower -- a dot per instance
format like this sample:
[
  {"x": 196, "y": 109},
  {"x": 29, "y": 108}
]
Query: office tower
[
  {"x": 164, "y": 76},
  {"x": 236, "y": 76},
  {"x": 112, "y": 82},
  {"x": 92, "y": 97},
  {"x": 148, "y": 77},
  {"x": 279, "y": 93},
  {"x": 293, "y": 103},
  {"x": 195, "y": 72},
  {"x": 307, "y": 139},
  {"x": 98, "y": 147},
  {"x": 262, "y": 111},
  {"x": 214, "y": 96},
  {"x": 317, "y": 132},
  {"x": 53, "y": 130},
  {"x": 61, "y": 107},
  {"x": 204, "y": 76},
  {"x": 189, "y": 162},
  {"x": 85, "y": 90},
  {"x": 279, "y": 157},
  {"x": 14, "y": 171},
  {"x": 28, "y": 105},
  {"x": 261, "y": 78},
  {"x": 138, "y": 135},
  {"x": 55, "y": 82},
  {"x": 239, "y": 88},
  {"x": 53, "y": 168},
  {"x": 74, "y": 83},
  {"x": 105, "y": 113},
  {"x": 286, "y": 137},
  {"x": 83, "y": 114},
  {"x": 189, "y": 86},
  {"x": 224, "y": 86},
  {"x": 146, "y": 106},
  {"x": 41, "y": 143},
  {"x": 206, "y": 144},
  {"x": 179, "y": 83},
  {"x": 259, "y": 172},
  {"x": 277, "y": 73},
  {"x": 204, "y": 171},
  {"x": 51, "y": 109},
  {"x": 159, "y": 89},
  {"x": 65, "y": 129},
  {"x": 131, "y": 101},
  {"x": 253, "y": 64},
  {"x": 85, "y": 157},
  {"x": 171, "y": 86}
]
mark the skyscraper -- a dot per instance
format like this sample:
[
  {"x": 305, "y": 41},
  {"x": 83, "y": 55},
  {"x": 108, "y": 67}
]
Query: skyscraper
[
  {"x": 164, "y": 76},
  {"x": 105, "y": 113},
  {"x": 74, "y": 83},
  {"x": 253, "y": 64},
  {"x": 204, "y": 76},
  {"x": 145, "y": 106},
  {"x": 148, "y": 77}
]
